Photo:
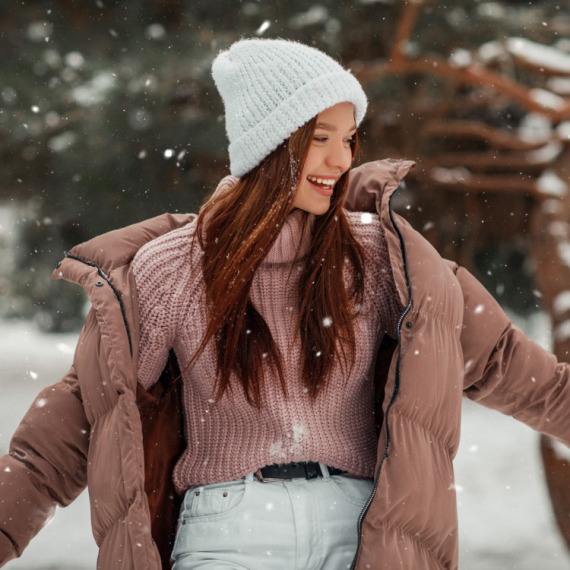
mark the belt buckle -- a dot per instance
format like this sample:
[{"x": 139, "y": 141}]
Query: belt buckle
[
  {"x": 312, "y": 471},
  {"x": 269, "y": 479}
]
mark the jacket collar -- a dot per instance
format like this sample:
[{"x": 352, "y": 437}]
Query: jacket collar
[
  {"x": 370, "y": 187},
  {"x": 372, "y": 184},
  {"x": 115, "y": 249}
]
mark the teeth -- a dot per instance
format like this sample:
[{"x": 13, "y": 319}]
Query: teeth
[{"x": 328, "y": 182}]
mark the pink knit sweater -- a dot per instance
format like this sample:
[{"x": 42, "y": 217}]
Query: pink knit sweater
[{"x": 228, "y": 440}]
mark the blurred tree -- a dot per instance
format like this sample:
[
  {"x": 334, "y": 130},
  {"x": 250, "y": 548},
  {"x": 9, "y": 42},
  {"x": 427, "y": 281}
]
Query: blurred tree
[{"x": 108, "y": 113}]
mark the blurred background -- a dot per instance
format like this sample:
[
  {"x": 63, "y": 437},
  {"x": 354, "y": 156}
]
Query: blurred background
[{"x": 109, "y": 115}]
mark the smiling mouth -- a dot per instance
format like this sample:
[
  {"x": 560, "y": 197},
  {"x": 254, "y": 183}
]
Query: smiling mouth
[
  {"x": 324, "y": 190},
  {"x": 325, "y": 183}
]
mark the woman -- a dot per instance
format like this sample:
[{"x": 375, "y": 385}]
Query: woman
[
  {"x": 323, "y": 354},
  {"x": 271, "y": 246}
]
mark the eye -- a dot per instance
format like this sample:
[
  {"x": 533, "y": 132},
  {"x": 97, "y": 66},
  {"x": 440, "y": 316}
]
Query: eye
[{"x": 351, "y": 140}]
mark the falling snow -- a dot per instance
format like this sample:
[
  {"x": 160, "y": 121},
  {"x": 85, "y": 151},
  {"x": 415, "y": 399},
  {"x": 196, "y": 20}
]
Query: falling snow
[{"x": 263, "y": 28}]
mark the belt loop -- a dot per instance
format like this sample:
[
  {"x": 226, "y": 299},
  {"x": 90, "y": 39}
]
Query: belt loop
[
  {"x": 249, "y": 477},
  {"x": 324, "y": 470}
]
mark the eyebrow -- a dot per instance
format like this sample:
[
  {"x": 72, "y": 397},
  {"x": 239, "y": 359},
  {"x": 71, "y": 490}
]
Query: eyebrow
[{"x": 329, "y": 127}]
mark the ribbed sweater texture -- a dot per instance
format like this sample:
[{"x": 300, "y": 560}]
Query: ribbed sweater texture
[{"x": 227, "y": 440}]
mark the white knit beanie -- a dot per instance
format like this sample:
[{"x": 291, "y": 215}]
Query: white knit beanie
[{"x": 270, "y": 88}]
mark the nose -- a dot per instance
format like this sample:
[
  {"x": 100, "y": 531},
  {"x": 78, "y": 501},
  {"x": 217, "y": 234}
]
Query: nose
[{"x": 339, "y": 156}]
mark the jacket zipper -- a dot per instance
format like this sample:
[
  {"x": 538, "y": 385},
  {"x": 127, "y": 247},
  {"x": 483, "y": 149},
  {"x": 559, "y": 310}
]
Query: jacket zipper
[
  {"x": 117, "y": 294},
  {"x": 396, "y": 385}
]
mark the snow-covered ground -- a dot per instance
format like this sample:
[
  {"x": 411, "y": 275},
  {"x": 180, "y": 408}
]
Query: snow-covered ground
[{"x": 505, "y": 517}]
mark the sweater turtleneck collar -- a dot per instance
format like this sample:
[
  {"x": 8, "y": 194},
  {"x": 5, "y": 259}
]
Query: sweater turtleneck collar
[{"x": 292, "y": 243}]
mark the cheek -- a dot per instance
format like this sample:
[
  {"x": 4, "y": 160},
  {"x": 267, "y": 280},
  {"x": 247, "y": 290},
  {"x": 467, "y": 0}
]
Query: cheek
[
  {"x": 304, "y": 188},
  {"x": 313, "y": 160},
  {"x": 306, "y": 194}
]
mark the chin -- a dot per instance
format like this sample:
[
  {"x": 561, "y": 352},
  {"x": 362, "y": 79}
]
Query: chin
[
  {"x": 319, "y": 211},
  {"x": 318, "y": 207}
]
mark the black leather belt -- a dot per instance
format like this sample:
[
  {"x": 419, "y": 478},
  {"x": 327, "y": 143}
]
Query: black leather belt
[{"x": 288, "y": 471}]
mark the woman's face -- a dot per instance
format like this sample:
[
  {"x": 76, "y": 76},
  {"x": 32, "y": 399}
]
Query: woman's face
[{"x": 329, "y": 157}]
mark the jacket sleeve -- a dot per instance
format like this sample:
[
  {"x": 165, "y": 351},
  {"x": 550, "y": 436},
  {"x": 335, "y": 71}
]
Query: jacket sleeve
[
  {"x": 507, "y": 371},
  {"x": 45, "y": 466}
]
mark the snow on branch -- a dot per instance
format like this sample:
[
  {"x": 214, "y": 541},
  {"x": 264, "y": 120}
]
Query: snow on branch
[{"x": 545, "y": 59}]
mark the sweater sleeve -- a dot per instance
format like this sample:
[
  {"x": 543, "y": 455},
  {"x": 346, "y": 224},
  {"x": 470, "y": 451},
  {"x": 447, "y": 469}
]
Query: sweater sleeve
[
  {"x": 161, "y": 269},
  {"x": 383, "y": 293}
]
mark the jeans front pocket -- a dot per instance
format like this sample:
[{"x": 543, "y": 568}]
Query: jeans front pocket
[
  {"x": 211, "y": 515},
  {"x": 214, "y": 501}
]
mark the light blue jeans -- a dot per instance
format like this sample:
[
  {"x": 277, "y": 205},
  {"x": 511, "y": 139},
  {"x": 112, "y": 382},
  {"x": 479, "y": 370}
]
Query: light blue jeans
[{"x": 287, "y": 525}]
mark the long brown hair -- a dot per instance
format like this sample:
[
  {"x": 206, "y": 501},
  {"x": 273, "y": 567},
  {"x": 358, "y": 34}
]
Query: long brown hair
[{"x": 243, "y": 222}]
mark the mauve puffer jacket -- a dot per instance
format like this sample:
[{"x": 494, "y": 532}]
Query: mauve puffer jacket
[{"x": 97, "y": 426}]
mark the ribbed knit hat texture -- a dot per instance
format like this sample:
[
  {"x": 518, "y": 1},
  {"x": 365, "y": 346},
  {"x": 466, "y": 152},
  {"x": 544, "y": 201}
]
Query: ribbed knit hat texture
[{"x": 270, "y": 88}]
